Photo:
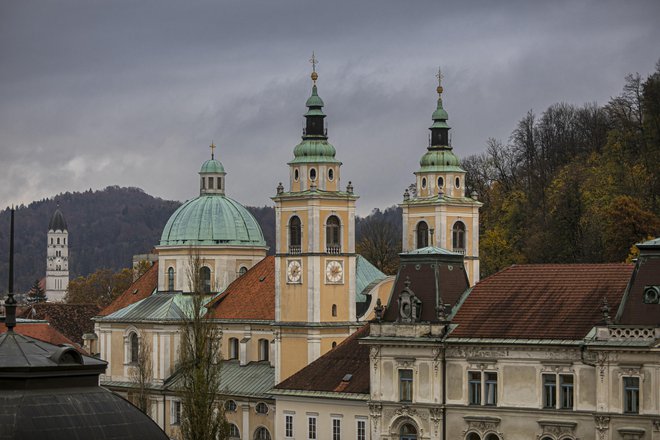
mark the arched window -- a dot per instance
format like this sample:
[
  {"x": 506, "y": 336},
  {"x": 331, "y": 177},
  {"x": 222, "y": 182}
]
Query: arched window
[
  {"x": 58, "y": 240},
  {"x": 458, "y": 182},
  {"x": 312, "y": 174},
  {"x": 233, "y": 348},
  {"x": 261, "y": 408},
  {"x": 423, "y": 182},
  {"x": 51, "y": 240},
  {"x": 422, "y": 235},
  {"x": 170, "y": 279},
  {"x": 135, "y": 348},
  {"x": 295, "y": 174},
  {"x": 334, "y": 344},
  {"x": 441, "y": 182},
  {"x": 458, "y": 236},
  {"x": 331, "y": 174},
  {"x": 334, "y": 310},
  {"x": 205, "y": 279},
  {"x": 473, "y": 436},
  {"x": 408, "y": 432},
  {"x": 242, "y": 271},
  {"x": 295, "y": 235},
  {"x": 333, "y": 235},
  {"x": 264, "y": 349},
  {"x": 492, "y": 437},
  {"x": 234, "y": 433},
  {"x": 261, "y": 434}
]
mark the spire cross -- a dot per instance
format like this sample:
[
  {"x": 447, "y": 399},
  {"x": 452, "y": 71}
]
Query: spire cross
[
  {"x": 314, "y": 62},
  {"x": 212, "y": 147},
  {"x": 439, "y": 75}
]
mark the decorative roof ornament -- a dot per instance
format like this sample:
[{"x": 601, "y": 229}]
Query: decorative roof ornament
[
  {"x": 349, "y": 187},
  {"x": 314, "y": 62},
  {"x": 280, "y": 188},
  {"x": 410, "y": 307},
  {"x": 605, "y": 310},
  {"x": 212, "y": 147},
  {"x": 406, "y": 195},
  {"x": 379, "y": 310},
  {"x": 439, "y": 89}
]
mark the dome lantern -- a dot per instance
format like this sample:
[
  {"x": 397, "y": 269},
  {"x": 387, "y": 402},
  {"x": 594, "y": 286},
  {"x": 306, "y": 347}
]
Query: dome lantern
[{"x": 212, "y": 176}]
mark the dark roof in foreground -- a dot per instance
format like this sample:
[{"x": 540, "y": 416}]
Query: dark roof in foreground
[
  {"x": 344, "y": 369},
  {"x": 138, "y": 290},
  {"x": 51, "y": 392},
  {"x": 541, "y": 301}
]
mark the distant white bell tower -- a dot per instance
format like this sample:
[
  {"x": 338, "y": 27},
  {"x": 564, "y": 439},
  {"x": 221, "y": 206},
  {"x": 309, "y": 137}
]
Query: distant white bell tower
[{"x": 57, "y": 260}]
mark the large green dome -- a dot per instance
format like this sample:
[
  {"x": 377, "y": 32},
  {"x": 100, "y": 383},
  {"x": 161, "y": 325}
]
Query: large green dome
[{"x": 212, "y": 220}]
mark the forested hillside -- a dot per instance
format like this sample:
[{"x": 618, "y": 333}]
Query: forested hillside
[
  {"x": 106, "y": 228},
  {"x": 573, "y": 184}
]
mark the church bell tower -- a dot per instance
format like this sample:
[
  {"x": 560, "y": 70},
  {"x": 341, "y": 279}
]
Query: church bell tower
[
  {"x": 57, "y": 258},
  {"x": 437, "y": 211},
  {"x": 315, "y": 258}
]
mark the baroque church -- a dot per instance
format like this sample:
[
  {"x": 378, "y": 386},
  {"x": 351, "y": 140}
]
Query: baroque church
[{"x": 317, "y": 343}]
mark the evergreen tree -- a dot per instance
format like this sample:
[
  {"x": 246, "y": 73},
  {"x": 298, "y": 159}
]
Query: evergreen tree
[{"x": 36, "y": 294}]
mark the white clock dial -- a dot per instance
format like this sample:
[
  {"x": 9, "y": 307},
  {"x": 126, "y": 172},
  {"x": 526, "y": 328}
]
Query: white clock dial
[
  {"x": 334, "y": 271},
  {"x": 294, "y": 271}
]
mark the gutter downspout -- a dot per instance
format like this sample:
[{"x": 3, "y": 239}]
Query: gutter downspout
[{"x": 444, "y": 391}]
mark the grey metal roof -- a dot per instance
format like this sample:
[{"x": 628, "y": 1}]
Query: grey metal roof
[
  {"x": 252, "y": 380},
  {"x": 157, "y": 307},
  {"x": 19, "y": 352},
  {"x": 366, "y": 277}
]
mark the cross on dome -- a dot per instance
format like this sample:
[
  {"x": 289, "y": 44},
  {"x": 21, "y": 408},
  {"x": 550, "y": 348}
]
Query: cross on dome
[
  {"x": 314, "y": 62},
  {"x": 212, "y": 147}
]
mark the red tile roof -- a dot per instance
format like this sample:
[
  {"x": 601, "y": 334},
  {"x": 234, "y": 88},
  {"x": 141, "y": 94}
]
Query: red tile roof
[
  {"x": 327, "y": 372},
  {"x": 139, "y": 290},
  {"x": 251, "y": 296},
  {"x": 42, "y": 331},
  {"x": 72, "y": 320},
  {"x": 545, "y": 301}
]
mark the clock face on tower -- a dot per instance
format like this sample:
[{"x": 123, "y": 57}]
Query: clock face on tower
[
  {"x": 334, "y": 271},
  {"x": 294, "y": 271}
]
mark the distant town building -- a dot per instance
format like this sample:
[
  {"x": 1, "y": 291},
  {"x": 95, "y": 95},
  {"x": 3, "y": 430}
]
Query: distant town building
[{"x": 57, "y": 258}]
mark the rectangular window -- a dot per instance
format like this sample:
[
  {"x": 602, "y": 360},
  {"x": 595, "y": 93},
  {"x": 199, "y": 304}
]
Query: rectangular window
[
  {"x": 631, "y": 395},
  {"x": 566, "y": 391},
  {"x": 336, "y": 429},
  {"x": 490, "y": 391},
  {"x": 210, "y": 182},
  {"x": 474, "y": 387},
  {"x": 361, "y": 430},
  {"x": 549, "y": 391},
  {"x": 405, "y": 385},
  {"x": 175, "y": 412},
  {"x": 288, "y": 425},
  {"x": 311, "y": 428}
]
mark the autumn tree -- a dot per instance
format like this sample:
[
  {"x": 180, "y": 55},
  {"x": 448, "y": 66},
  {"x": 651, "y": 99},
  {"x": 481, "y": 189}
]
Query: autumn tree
[
  {"x": 380, "y": 240},
  {"x": 100, "y": 287},
  {"x": 141, "y": 373},
  {"x": 36, "y": 294},
  {"x": 202, "y": 414}
]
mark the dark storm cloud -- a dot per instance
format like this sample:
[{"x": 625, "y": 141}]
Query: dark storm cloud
[{"x": 96, "y": 93}]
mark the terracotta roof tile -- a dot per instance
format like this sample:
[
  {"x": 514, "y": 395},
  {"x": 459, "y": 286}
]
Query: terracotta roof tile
[
  {"x": 42, "y": 331},
  {"x": 545, "y": 301},
  {"x": 327, "y": 373},
  {"x": 251, "y": 296},
  {"x": 139, "y": 290},
  {"x": 72, "y": 320}
]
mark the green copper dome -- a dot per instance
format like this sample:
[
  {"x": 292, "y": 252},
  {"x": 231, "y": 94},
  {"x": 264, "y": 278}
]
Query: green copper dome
[
  {"x": 212, "y": 166},
  {"x": 314, "y": 150},
  {"x": 440, "y": 160},
  {"x": 212, "y": 220}
]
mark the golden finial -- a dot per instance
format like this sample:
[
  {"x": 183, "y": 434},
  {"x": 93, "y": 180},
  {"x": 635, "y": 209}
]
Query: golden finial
[
  {"x": 439, "y": 76},
  {"x": 314, "y": 62},
  {"x": 212, "y": 147}
]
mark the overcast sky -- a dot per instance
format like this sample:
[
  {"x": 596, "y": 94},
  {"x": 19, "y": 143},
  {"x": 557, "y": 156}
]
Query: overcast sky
[{"x": 131, "y": 93}]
